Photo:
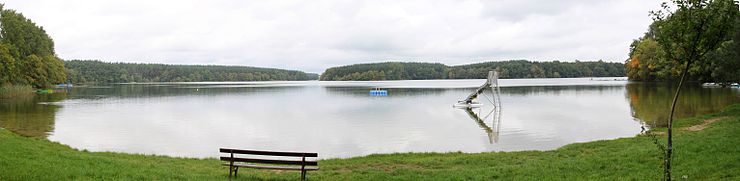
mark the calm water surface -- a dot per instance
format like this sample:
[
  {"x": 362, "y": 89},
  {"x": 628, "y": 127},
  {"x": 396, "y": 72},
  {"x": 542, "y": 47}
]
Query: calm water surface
[{"x": 340, "y": 119}]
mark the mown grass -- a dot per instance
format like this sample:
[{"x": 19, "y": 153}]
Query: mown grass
[
  {"x": 11, "y": 91},
  {"x": 709, "y": 154}
]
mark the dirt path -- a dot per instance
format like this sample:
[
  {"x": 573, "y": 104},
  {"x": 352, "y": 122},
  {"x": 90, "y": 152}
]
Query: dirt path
[{"x": 704, "y": 125}]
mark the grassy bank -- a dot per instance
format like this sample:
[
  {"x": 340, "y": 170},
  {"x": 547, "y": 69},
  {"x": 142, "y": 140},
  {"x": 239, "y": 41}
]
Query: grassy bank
[
  {"x": 706, "y": 149},
  {"x": 10, "y": 91}
]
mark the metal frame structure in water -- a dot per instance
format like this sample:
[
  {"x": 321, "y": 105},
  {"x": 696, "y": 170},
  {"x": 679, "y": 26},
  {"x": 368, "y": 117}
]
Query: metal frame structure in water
[{"x": 468, "y": 105}]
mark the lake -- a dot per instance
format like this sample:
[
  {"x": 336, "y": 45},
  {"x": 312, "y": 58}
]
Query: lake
[{"x": 340, "y": 119}]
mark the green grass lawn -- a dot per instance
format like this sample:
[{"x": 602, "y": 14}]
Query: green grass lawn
[{"x": 712, "y": 153}]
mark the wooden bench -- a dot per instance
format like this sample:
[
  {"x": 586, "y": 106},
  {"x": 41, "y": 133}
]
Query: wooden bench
[{"x": 268, "y": 160}]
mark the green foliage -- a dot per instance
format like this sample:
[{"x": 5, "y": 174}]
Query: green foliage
[
  {"x": 648, "y": 62},
  {"x": 89, "y": 71},
  {"x": 724, "y": 63},
  {"x": 8, "y": 66},
  {"x": 514, "y": 69},
  {"x": 694, "y": 29},
  {"x": 698, "y": 31},
  {"x": 25, "y": 35},
  {"x": 508, "y": 69},
  {"x": 27, "y": 53},
  {"x": 385, "y": 71},
  {"x": 709, "y": 154}
]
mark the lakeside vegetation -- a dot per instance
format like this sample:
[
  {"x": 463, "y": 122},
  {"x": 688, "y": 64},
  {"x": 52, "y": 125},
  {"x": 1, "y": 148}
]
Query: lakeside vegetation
[
  {"x": 9, "y": 91},
  {"x": 708, "y": 152},
  {"x": 649, "y": 60},
  {"x": 26, "y": 54},
  {"x": 93, "y": 72},
  {"x": 687, "y": 31},
  {"x": 508, "y": 70},
  {"x": 707, "y": 143}
]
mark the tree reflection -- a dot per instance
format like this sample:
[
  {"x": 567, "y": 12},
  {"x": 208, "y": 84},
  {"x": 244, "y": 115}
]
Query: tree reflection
[
  {"x": 393, "y": 92},
  {"x": 650, "y": 102},
  {"x": 25, "y": 116}
]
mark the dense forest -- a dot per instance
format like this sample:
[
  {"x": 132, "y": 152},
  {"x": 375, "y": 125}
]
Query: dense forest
[
  {"x": 527, "y": 69},
  {"x": 27, "y": 53},
  {"x": 649, "y": 60},
  {"x": 385, "y": 71},
  {"x": 508, "y": 69},
  {"x": 92, "y": 71}
]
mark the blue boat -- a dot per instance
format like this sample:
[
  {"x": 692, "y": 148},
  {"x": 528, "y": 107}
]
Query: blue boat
[
  {"x": 378, "y": 92},
  {"x": 64, "y": 85}
]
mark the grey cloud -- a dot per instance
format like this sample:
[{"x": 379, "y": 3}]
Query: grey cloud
[{"x": 314, "y": 35}]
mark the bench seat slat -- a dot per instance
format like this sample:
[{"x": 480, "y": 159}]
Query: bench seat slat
[
  {"x": 266, "y": 161},
  {"x": 272, "y": 167},
  {"x": 270, "y": 153}
]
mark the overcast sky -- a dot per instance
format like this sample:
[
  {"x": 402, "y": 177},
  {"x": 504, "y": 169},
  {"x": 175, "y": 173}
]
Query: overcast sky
[{"x": 314, "y": 35}]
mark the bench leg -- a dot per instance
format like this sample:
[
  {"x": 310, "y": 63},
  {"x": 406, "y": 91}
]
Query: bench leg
[
  {"x": 236, "y": 172},
  {"x": 303, "y": 175},
  {"x": 231, "y": 169}
]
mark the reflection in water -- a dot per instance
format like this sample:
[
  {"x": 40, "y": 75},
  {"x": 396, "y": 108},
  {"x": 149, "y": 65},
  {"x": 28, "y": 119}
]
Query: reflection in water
[
  {"x": 494, "y": 99},
  {"x": 558, "y": 90},
  {"x": 495, "y": 115},
  {"x": 395, "y": 92},
  {"x": 650, "y": 102},
  {"x": 192, "y": 119},
  {"x": 30, "y": 116},
  {"x": 169, "y": 90}
]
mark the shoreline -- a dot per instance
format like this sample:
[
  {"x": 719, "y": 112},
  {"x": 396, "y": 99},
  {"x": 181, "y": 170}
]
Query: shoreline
[
  {"x": 708, "y": 153},
  {"x": 14, "y": 91}
]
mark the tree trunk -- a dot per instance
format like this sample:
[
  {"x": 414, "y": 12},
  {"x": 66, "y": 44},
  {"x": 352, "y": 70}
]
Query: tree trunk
[{"x": 669, "y": 150}]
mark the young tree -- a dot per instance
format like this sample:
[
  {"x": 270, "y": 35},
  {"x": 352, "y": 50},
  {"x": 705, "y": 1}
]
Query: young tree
[{"x": 695, "y": 28}]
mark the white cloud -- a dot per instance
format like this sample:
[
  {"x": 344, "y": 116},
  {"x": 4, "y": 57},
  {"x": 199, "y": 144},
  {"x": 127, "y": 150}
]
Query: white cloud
[{"x": 314, "y": 35}]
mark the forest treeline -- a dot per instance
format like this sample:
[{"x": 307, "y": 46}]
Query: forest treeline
[
  {"x": 508, "y": 70},
  {"x": 385, "y": 71},
  {"x": 27, "y": 53},
  {"x": 649, "y": 61},
  {"x": 27, "y": 57},
  {"x": 93, "y": 71}
]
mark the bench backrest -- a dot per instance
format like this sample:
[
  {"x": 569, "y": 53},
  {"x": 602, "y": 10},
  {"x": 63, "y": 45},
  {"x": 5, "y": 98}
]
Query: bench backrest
[{"x": 234, "y": 157}]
